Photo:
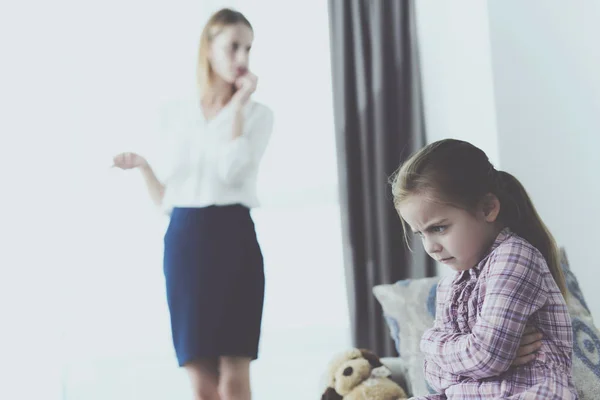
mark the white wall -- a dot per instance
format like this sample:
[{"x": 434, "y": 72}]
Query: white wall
[
  {"x": 456, "y": 72},
  {"x": 546, "y": 64},
  {"x": 457, "y": 77},
  {"x": 82, "y": 81},
  {"x": 520, "y": 80}
]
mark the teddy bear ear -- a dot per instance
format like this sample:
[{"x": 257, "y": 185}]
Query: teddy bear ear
[
  {"x": 371, "y": 358},
  {"x": 331, "y": 394}
]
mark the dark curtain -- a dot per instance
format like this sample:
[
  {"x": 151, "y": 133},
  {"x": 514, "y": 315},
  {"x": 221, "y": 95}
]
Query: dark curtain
[{"x": 379, "y": 123}]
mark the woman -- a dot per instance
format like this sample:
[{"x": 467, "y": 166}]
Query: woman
[{"x": 212, "y": 261}]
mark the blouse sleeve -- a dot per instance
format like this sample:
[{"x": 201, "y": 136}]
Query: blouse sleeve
[
  {"x": 514, "y": 291},
  {"x": 243, "y": 154}
]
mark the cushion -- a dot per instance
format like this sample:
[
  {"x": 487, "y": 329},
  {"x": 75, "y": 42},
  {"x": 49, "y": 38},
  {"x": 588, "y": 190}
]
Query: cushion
[
  {"x": 397, "y": 367},
  {"x": 409, "y": 309},
  {"x": 586, "y": 338}
]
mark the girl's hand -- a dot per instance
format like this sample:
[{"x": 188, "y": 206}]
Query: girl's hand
[
  {"x": 129, "y": 161},
  {"x": 530, "y": 344},
  {"x": 245, "y": 85}
]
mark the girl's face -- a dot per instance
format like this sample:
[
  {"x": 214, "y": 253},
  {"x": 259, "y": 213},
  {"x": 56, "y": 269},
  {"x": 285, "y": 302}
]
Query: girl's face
[
  {"x": 229, "y": 53},
  {"x": 451, "y": 235}
]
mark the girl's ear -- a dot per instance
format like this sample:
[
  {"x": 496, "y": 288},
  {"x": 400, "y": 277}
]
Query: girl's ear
[{"x": 490, "y": 207}]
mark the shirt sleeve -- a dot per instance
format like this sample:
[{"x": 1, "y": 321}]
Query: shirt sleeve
[
  {"x": 435, "y": 376},
  {"x": 514, "y": 291},
  {"x": 243, "y": 154}
]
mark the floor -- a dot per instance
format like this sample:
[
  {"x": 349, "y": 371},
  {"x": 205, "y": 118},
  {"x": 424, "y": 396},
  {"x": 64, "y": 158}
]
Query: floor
[{"x": 291, "y": 366}]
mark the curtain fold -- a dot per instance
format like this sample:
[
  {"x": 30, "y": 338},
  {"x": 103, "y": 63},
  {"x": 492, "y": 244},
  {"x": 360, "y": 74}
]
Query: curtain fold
[{"x": 378, "y": 123}]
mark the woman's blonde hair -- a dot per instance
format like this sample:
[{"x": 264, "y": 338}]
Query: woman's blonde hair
[
  {"x": 457, "y": 173},
  {"x": 219, "y": 20}
]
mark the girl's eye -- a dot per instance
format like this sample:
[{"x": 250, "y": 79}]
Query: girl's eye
[
  {"x": 234, "y": 46},
  {"x": 438, "y": 229}
]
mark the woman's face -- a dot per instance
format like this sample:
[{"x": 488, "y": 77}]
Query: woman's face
[{"x": 229, "y": 53}]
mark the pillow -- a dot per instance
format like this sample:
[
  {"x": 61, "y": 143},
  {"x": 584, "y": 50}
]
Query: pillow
[
  {"x": 409, "y": 309},
  {"x": 586, "y": 338}
]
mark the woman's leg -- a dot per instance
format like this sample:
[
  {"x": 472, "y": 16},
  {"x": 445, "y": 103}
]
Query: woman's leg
[
  {"x": 204, "y": 378},
  {"x": 234, "y": 378}
]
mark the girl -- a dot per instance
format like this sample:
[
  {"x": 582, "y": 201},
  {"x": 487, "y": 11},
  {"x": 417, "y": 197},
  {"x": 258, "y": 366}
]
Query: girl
[
  {"x": 213, "y": 264},
  {"x": 502, "y": 328}
]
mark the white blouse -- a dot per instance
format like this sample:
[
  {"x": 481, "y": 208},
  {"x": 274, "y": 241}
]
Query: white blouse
[{"x": 200, "y": 163}]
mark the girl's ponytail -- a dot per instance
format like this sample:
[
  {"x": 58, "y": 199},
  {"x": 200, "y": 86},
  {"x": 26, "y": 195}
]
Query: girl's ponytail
[{"x": 518, "y": 212}]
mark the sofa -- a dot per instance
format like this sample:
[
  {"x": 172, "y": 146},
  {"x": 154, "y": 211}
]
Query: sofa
[{"x": 409, "y": 309}]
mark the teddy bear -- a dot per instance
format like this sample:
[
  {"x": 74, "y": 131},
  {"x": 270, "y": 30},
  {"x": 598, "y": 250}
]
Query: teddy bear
[{"x": 358, "y": 374}]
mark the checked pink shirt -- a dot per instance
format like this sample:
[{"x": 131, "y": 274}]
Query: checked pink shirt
[{"x": 480, "y": 318}]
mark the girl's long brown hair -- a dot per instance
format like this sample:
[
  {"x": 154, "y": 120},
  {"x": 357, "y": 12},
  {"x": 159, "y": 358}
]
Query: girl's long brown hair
[{"x": 458, "y": 173}]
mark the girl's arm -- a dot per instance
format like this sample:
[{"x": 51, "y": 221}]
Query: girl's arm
[
  {"x": 436, "y": 377},
  {"x": 514, "y": 291}
]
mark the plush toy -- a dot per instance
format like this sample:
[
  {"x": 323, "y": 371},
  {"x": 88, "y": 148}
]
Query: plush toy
[{"x": 358, "y": 374}]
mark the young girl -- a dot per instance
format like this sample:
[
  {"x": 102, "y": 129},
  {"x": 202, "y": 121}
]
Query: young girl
[
  {"x": 213, "y": 264},
  {"x": 502, "y": 329}
]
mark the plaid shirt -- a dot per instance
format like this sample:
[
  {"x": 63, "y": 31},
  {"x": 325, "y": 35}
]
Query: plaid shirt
[{"x": 480, "y": 318}]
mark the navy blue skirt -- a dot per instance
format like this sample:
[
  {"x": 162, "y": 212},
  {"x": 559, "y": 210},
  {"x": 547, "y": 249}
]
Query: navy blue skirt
[{"x": 215, "y": 282}]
